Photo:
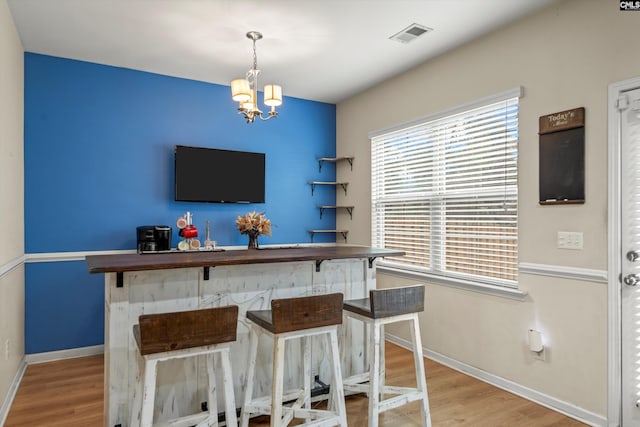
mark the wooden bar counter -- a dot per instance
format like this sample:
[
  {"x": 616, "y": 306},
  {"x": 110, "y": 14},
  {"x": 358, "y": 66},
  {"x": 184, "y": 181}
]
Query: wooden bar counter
[{"x": 137, "y": 284}]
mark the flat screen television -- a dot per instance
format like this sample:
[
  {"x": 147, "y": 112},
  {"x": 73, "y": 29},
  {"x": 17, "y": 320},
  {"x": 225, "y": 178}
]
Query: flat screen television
[{"x": 218, "y": 176}]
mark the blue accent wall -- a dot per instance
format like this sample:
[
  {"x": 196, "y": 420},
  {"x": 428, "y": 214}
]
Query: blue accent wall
[
  {"x": 64, "y": 306},
  {"x": 99, "y": 162}
]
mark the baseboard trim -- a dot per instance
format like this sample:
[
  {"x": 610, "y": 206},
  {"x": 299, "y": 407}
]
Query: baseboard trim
[
  {"x": 550, "y": 402},
  {"x": 13, "y": 389},
  {"x": 71, "y": 353}
]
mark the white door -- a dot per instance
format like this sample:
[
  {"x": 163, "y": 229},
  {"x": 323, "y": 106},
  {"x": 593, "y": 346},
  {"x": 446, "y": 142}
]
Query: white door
[{"x": 629, "y": 109}]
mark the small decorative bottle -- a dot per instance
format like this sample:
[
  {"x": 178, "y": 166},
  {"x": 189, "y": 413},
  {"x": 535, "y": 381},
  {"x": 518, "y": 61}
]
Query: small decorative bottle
[{"x": 208, "y": 243}]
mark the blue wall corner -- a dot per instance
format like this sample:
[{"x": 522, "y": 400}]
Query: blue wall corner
[{"x": 64, "y": 307}]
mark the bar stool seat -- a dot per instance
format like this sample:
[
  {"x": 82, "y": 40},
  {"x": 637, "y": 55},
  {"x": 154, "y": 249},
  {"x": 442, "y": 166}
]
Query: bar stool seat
[
  {"x": 386, "y": 306},
  {"x": 178, "y": 335},
  {"x": 296, "y": 318}
]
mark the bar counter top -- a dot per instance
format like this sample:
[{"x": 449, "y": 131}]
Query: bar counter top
[{"x": 161, "y": 261}]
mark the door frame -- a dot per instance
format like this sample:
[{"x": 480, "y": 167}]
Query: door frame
[{"x": 614, "y": 365}]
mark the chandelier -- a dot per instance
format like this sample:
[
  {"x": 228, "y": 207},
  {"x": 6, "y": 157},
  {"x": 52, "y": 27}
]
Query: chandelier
[{"x": 245, "y": 91}]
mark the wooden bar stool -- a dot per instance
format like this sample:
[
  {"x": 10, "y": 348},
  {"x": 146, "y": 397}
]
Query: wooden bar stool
[
  {"x": 289, "y": 319},
  {"x": 177, "y": 335},
  {"x": 382, "y": 307}
]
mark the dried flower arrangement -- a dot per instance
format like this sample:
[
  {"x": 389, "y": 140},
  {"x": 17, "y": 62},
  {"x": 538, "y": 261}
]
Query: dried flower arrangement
[{"x": 253, "y": 223}]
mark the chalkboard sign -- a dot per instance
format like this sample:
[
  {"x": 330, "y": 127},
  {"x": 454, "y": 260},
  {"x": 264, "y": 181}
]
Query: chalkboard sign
[{"x": 562, "y": 157}]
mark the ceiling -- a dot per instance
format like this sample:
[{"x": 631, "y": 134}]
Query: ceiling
[{"x": 322, "y": 50}]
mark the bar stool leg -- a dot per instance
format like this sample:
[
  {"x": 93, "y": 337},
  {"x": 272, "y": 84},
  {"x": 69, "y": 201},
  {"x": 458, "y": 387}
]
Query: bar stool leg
[
  {"x": 331, "y": 399},
  {"x": 251, "y": 370},
  {"x": 383, "y": 371},
  {"x": 212, "y": 394},
  {"x": 277, "y": 381},
  {"x": 421, "y": 382},
  {"x": 374, "y": 377},
  {"x": 149, "y": 393},
  {"x": 338, "y": 390},
  {"x": 345, "y": 341},
  {"x": 229, "y": 397},
  {"x": 306, "y": 357},
  {"x": 137, "y": 394}
]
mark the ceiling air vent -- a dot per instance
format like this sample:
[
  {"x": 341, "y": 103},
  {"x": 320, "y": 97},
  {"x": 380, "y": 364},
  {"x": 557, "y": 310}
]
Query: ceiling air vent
[{"x": 410, "y": 33}]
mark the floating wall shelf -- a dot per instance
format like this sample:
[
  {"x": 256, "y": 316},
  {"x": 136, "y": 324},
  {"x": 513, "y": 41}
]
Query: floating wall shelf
[
  {"x": 334, "y": 160},
  {"x": 342, "y": 232},
  {"x": 348, "y": 208},
  {"x": 342, "y": 184}
]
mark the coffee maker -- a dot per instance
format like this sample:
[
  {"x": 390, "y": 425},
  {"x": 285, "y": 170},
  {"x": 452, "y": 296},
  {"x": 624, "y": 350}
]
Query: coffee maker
[{"x": 154, "y": 238}]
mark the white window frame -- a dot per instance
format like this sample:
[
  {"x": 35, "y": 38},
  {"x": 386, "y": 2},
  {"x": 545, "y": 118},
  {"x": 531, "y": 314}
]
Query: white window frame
[{"x": 385, "y": 266}]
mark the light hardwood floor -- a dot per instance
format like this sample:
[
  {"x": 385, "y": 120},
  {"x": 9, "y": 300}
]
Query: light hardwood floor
[{"x": 70, "y": 393}]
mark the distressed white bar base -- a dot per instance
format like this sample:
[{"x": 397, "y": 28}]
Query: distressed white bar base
[{"x": 181, "y": 384}]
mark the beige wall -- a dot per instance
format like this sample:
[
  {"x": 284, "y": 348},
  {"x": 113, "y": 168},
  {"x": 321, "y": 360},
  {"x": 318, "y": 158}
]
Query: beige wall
[
  {"x": 11, "y": 199},
  {"x": 564, "y": 57}
]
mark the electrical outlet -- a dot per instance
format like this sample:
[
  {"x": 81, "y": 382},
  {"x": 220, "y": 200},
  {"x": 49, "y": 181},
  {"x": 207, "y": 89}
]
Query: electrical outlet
[
  {"x": 540, "y": 355},
  {"x": 6, "y": 349},
  {"x": 570, "y": 240}
]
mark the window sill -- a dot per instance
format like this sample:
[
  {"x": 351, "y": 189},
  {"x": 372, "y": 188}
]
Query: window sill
[{"x": 499, "y": 291}]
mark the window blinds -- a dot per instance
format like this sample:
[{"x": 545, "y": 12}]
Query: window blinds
[{"x": 445, "y": 192}]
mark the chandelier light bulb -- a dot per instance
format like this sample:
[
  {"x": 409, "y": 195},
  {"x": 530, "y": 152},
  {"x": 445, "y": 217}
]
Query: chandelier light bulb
[{"x": 248, "y": 105}]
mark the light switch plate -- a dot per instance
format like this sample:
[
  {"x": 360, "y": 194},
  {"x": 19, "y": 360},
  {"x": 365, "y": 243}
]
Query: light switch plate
[{"x": 570, "y": 240}]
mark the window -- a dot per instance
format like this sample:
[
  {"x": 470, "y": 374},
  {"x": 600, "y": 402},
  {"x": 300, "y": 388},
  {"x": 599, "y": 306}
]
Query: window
[{"x": 444, "y": 190}]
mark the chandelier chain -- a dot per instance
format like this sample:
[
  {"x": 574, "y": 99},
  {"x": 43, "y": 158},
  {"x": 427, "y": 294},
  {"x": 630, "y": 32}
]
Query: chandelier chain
[{"x": 255, "y": 56}]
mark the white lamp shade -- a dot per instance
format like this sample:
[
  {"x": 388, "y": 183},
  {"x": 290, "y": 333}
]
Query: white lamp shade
[
  {"x": 248, "y": 104},
  {"x": 240, "y": 90},
  {"x": 273, "y": 95}
]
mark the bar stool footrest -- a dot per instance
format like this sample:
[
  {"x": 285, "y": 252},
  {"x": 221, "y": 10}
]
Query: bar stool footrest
[
  {"x": 325, "y": 418},
  {"x": 401, "y": 400},
  {"x": 256, "y": 410},
  {"x": 356, "y": 379},
  {"x": 357, "y": 388},
  {"x": 325, "y": 422},
  {"x": 288, "y": 396},
  {"x": 389, "y": 389},
  {"x": 188, "y": 420}
]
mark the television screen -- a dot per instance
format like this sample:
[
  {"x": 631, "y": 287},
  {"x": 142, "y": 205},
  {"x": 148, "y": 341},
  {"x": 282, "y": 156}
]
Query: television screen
[{"x": 219, "y": 176}]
